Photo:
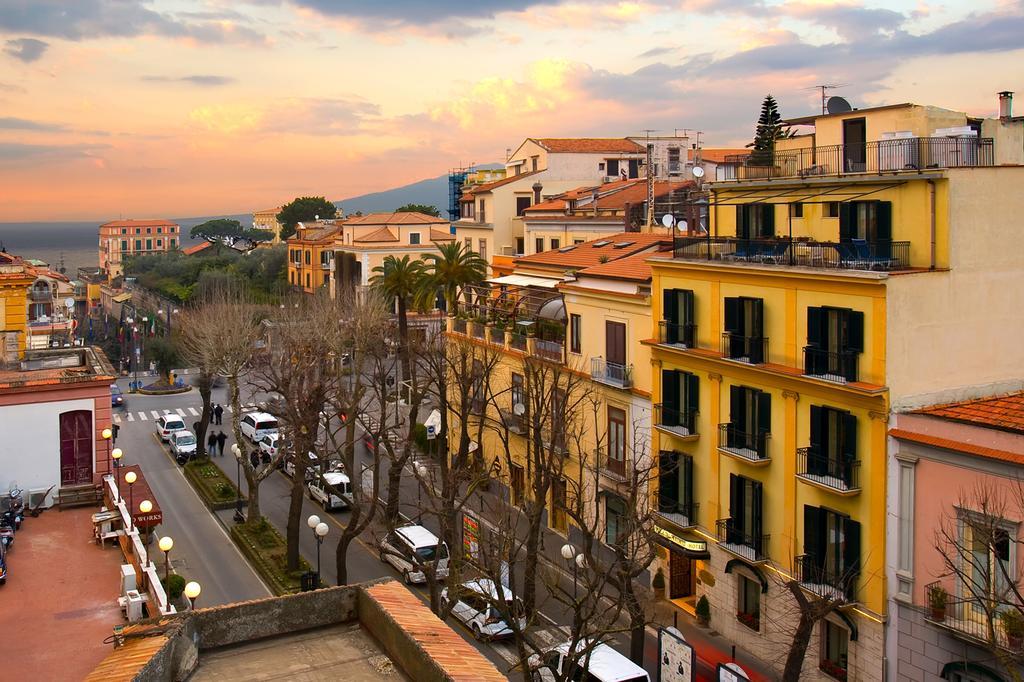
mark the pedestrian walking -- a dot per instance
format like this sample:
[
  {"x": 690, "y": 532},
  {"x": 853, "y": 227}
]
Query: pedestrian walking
[
  {"x": 195, "y": 428},
  {"x": 211, "y": 444},
  {"x": 218, "y": 414},
  {"x": 255, "y": 459},
  {"x": 222, "y": 438},
  {"x": 115, "y": 428}
]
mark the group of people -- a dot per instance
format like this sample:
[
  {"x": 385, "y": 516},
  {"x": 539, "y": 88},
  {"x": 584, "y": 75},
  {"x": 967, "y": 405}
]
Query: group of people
[{"x": 216, "y": 440}]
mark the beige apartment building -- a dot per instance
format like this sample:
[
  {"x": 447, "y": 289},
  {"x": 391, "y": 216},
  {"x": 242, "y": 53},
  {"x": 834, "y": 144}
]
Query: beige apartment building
[{"x": 119, "y": 239}]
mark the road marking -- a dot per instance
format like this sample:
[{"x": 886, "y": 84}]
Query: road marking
[
  {"x": 166, "y": 411},
  {"x": 117, "y": 418},
  {"x": 193, "y": 411},
  {"x": 131, "y": 417},
  {"x": 156, "y": 415},
  {"x": 180, "y": 411},
  {"x": 142, "y": 416}
]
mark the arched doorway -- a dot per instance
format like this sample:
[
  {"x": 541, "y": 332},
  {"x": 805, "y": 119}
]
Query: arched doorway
[{"x": 76, "y": 443}]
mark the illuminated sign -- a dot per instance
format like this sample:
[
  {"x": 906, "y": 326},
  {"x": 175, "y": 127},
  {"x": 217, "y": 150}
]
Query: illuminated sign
[{"x": 689, "y": 545}]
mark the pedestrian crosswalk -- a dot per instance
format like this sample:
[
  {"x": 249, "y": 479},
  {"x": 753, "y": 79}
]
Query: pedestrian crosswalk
[
  {"x": 545, "y": 637},
  {"x": 128, "y": 416}
]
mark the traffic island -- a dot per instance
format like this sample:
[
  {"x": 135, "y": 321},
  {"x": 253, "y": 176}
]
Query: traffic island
[
  {"x": 215, "y": 489},
  {"x": 267, "y": 552},
  {"x": 163, "y": 388}
]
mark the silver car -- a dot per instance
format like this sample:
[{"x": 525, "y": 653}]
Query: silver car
[{"x": 484, "y": 612}]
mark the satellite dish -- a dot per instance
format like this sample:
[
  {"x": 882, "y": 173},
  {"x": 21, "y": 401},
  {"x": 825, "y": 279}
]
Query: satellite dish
[
  {"x": 668, "y": 220},
  {"x": 519, "y": 409},
  {"x": 69, "y": 303},
  {"x": 697, "y": 171},
  {"x": 837, "y": 105},
  {"x": 683, "y": 226}
]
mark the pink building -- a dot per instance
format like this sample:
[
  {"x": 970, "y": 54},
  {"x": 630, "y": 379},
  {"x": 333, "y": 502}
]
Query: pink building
[{"x": 955, "y": 526}]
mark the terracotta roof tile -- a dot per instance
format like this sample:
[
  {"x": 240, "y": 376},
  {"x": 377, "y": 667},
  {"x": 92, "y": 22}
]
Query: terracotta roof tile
[
  {"x": 634, "y": 268},
  {"x": 589, "y": 145},
  {"x": 404, "y": 218},
  {"x": 381, "y": 235},
  {"x": 717, "y": 155},
  {"x": 1005, "y": 413},
  {"x": 150, "y": 222},
  {"x": 958, "y": 445},
  {"x": 191, "y": 250},
  {"x": 488, "y": 186},
  {"x": 441, "y": 235},
  {"x": 591, "y": 253}
]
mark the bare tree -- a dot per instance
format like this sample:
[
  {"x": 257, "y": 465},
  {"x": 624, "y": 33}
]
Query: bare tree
[{"x": 198, "y": 330}]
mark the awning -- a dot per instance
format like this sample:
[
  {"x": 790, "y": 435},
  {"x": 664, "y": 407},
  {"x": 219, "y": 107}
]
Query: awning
[
  {"x": 694, "y": 549},
  {"x": 525, "y": 281},
  {"x": 121, "y": 298}
]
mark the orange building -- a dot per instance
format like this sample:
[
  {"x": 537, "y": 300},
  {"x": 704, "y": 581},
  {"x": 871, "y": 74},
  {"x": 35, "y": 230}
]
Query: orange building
[
  {"x": 311, "y": 254},
  {"x": 122, "y": 238}
]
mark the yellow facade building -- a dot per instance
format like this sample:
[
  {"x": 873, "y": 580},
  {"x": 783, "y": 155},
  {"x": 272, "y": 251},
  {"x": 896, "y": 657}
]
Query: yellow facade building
[
  {"x": 863, "y": 268},
  {"x": 267, "y": 220},
  {"x": 16, "y": 278},
  {"x": 311, "y": 255}
]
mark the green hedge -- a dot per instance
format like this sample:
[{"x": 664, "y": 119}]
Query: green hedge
[
  {"x": 267, "y": 551},
  {"x": 216, "y": 490}
]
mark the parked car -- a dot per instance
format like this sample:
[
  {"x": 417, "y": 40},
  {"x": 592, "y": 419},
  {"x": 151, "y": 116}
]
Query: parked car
[
  {"x": 183, "y": 445},
  {"x": 255, "y": 425},
  {"x": 269, "y": 444},
  {"x": 332, "y": 490},
  {"x": 412, "y": 548},
  {"x": 116, "y": 397},
  {"x": 601, "y": 664},
  {"x": 168, "y": 424},
  {"x": 289, "y": 465},
  {"x": 484, "y": 612}
]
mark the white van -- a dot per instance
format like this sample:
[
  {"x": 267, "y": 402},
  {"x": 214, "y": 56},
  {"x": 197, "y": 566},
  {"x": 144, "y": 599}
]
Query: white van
[
  {"x": 255, "y": 425},
  {"x": 339, "y": 498},
  {"x": 168, "y": 424},
  {"x": 410, "y": 548},
  {"x": 604, "y": 664}
]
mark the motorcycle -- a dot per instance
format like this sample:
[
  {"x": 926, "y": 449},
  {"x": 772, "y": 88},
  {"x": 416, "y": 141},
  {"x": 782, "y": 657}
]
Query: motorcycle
[
  {"x": 6, "y": 531},
  {"x": 3, "y": 566},
  {"x": 16, "y": 506}
]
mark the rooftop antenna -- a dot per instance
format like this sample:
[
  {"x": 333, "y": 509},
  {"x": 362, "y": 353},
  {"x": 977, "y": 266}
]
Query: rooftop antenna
[
  {"x": 824, "y": 88},
  {"x": 650, "y": 180}
]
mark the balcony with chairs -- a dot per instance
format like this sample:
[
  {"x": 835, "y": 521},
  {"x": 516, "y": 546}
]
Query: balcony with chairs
[
  {"x": 611, "y": 373},
  {"x": 853, "y": 254},
  {"x": 736, "y": 540},
  {"x": 839, "y": 475},
  {"x": 750, "y": 446}
]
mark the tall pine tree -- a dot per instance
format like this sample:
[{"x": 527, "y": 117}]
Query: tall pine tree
[{"x": 769, "y": 129}]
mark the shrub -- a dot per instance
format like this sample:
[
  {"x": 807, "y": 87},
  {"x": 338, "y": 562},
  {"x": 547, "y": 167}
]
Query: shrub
[
  {"x": 419, "y": 436},
  {"x": 174, "y": 585},
  {"x": 703, "y": 609}
]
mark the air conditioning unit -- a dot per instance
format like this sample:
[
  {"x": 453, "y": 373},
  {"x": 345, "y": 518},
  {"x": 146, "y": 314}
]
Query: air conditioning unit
[
  {"x": 133, "y": 605},
  {"x": 898, "y": 151},
  {"x": 610, "y": 178},
  {"x": 128, "y": 579}
]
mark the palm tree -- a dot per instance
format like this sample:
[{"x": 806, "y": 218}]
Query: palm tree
[
  {"x": 451, "y": 269},
  {"x": 400, "y": 279}
]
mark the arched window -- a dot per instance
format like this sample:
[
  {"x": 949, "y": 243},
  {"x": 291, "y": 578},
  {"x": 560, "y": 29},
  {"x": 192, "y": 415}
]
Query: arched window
[{"x": 76, "y": 447}]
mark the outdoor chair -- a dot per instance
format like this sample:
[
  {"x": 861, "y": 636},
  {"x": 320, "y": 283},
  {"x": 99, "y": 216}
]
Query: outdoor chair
[
  {"x": 745, "y": 250},
  {"x": 775, "y": 253},
  {"x": 871, "y": 260}
]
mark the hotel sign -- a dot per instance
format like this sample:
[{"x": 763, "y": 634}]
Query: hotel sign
[{"x": 689, "y": 545}]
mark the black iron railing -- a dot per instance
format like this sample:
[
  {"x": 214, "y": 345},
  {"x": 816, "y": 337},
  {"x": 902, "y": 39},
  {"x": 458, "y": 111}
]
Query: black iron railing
[
  {"x": 678, "y": 334},
  {"x": 831, "y": 365},
  {"x": 611, "y": 372},
  {"x": 738, "y": 540},
  {"x": 752, "y": 445},
  {"x": 682, "y": 421},
  {"x": 752, "y": 349},
  {"x": 854, "y": 254},
  {"x": 815, "y": 576},
  {"x": 614, "y": 465},
  {"x": 974, "y": 618},
  {"x": 682, "y": 514},
  {"x": 839, "y": 474},
  {"x": 549, "y": 350},
  {"x": 882, "y": 156},
  {"x": 516, "y": 423}
]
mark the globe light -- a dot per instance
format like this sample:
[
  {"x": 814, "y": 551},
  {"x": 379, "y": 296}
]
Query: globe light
[
  {"x": 193, "y": 589},
  {"x": 116, "y": 453},
  {"x": 130, "y": 477},
  {"x": 145, "y": 506},
  {"x": 321, "y": 529},
  {"x": 313, "y": 521},
  {"x": 107, "y": 434},
  {"x": 166, "y": 543},
  {"x": 568, "y": 552}
]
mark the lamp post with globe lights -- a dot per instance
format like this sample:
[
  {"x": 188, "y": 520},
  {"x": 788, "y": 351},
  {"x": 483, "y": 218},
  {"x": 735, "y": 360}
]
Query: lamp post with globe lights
[
  {"x": 577, "y": 561},
  {"x": 116, "y": 455},
  {"x": 107, "y": 436},
  {"x": 166, "y": 544},
  {"x": 237, "y": 452},
  {"x": 130, "y": 479},
  {"x": 144, "y": 508},
  {"x": 320, "y": 530},
  {"x": 192, "y": 590}
]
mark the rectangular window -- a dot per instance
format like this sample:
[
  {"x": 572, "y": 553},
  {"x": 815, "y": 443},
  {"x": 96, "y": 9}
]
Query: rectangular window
[
  {"x": 138, "y": 230},
  {"x": 745, "y": 508},
  {"x": 482, "y": 249},
  {"x": 159, "y": 230},
  {"x": 518, "y": 484},
  {"x": 149, "y": 230},
  {"x": 835, "y": 338},
  {"x": 869, "y": 221},
  {"x": 538, "y": 245},
  {"x": 414, "y": 238},
  {"x": 616, "y": 441},
  {"x": 613, "y": 167},
  {"x": 755, "y": 221},
  {"x": 558, "y": 501},
  {"x": 575, "y": 333},
  {"x": 520, "y": 245},
  {"x": 577, "y": 241},
  {"x": 634, "y": 168},
  {"x": 149, "y": 245},
  {"x": 327, "y": 279},
  {"x": 534, "y": 160},
  {"x": 832, "y": 209},
  {"x": 481, "y": 212},
  {"x": 796, "y": 209},
  {"x": 748, "y": 609},
  {"x": 124, "y": 244},
  {"x": 468, "y": 209},
  {"x": 555, "y": 243},
  {"x": 988, "y": 560},
  {"x": 905, "y": 557},
  {"x": 124, "y": 230},
  {"x": 173, "y": 243},
  {"x": 744, "y": 323},
  {"x": 679, "y": 325},
  {"x": 309, "y": 257},
  {"x": 750, "y": 421},
  {"x": 469, "y": 243},
  {"x": 159, "y": 243},
  {"x": 138, "y": 245},
  {"x": 522, "y": 203},
  {"x": 675, "y": 486},
  {"x": 673, "y": 160},
  {"x": 615, "y": 344},
  {"x": 679, "y": 401},
  {"x": 832, "y": 454},
  {"x": 308, "y": 281},
  {"x": 834, "y": 643},
  {"x": 831, "y": 550},
  {"x": 518, "y": 393},
  {"x": 614, "y": 520}
]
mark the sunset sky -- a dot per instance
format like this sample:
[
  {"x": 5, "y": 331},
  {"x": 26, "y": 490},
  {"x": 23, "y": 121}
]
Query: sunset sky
[{"x": 193, "y": 107}]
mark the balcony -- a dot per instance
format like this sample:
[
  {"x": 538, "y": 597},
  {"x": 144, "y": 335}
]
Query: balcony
[
  {"x": 829, "y": 583},
  {"x": 459, "y": 325},
  {"x": 749, "y": 446},
  {"x": 549, "y": 350},
  {"x": 752, "y": 350},
  {"x": 678, "y": 513},
  {"x": 515, "y": 423},
  {"x": 44, "y": 295},
  {"x": 682, "y": 423},
  {"x": 855, "y": 254},
  {"x": 838, "y": 366},
  {"x": 736, "y": 540},
  {"x": 679, "y": 335},
  {"x": 518, "y": 342},
  {"x": 478, "y": 330},
  {"x": 616, "y": 470},
  {"x": 839, "y": 475},
  {"x": 612, "y": 373},
  {"x": 973, "y": 619},
  {"x": 325, "y": 265},
  {"x": 883, "y": 156}
]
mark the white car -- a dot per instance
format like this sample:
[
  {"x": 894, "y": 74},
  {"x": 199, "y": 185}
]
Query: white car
[
  {"x": 412, "y": 548},
  {"x": 183, "y": 445},
  {"x": 269, "y": 444},
  {"x": 168, "y": 424},
  {"x": 289, "y": 466},
  {"x": 332, "y": 490},
  {"x": 255, "y": 425},
  {"x": 601, "y": 664},
  {"x": 487, "y": 615}
]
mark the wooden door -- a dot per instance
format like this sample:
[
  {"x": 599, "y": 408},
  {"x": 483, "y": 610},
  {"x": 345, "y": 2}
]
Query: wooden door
[
  {"x": 76, "y": 441},
  {"x": 615, "y": 342},
  {"x": 681, "y": 576}
]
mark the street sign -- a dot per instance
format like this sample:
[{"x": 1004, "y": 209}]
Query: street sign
[
  {"x": 731, "y": 672},
  {"x": 675, "y": 656}
]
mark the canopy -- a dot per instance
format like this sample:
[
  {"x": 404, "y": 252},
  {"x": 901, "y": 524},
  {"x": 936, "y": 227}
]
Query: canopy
[{"x": 525, "y": 281}]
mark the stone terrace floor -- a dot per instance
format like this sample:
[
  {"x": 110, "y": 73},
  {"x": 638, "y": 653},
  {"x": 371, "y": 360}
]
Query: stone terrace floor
[{"x": 60, "y": 598}]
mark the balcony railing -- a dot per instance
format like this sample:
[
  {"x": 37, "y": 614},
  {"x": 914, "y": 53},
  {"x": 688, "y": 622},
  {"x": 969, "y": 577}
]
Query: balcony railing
[
  {"x": 681, "y": 514},
  {"x": 325, "y": 265},
  {"x": 831, "y": 365},
  {"x": 549, "y": 350},
  {"x": 459, "y": 325},
  {"x": 750, "y": 445},
  {"x": 856, "y": 254},
  {"x": 478, "y": 330},
  {"x": 674, "y": 334},
  {"x": 883, "y": 156},
  {"x": 42, "y": 294},
  {"x": 518, "y": 341},
  {"x": 614, "y": 468},
  {"x": 740, "y": 542},
  {"x": 823, "y": 581},
  {"x": 841, "y": 474},
  {"x": 974, "y": 619},
  {"x": 611, "y": 373},
  {"x": 749, "y": 349},
  {"x": 679, "y": 421}
]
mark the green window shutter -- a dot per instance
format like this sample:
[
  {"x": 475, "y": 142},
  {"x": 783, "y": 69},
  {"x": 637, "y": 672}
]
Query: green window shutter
[
  {"x": 671, "y": 309},
  {"x": 757, "y": 502},
  {"x": 815, "y": 327},
  {"x": 847, "y": 216},
  {"x": 849, "y": 436},
  {"x": 883, "y": 221},
  {"x": 687, "y": 306},
  {"x": 851, "y": 553},
  {"x": 741, "y": 222},
  {"x": 687, "y": 489},
  {"x": 767, "y": 220},
  {"x": 669, "y": 397},
  {"x": 819, "y": 428},
  {"x": 737, "y": 405},
  {"x": 813, "y": 531},
  {"x": 668, "y": 480},
  {"x": 854, "y": 340},
  {"x": 732, "y": 315},
  {"x": 764, "y": 412}
]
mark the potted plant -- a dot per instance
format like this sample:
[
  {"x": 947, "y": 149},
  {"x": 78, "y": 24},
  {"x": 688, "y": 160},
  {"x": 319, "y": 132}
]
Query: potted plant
[
  {"x": 751, "y": 620},
  {"x": 1013, "y": 626},
  {"x": 658, "y": 581},
  {"x": 833, "y": 669},
  {"x": 937, "y": 598},
  {"x": 703, "y": 611}
]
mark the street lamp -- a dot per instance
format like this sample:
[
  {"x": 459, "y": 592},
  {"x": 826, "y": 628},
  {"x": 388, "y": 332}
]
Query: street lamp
[
  {"x": 107, "y": 435},
  {"x": 166, "y": 544},
  {"x": 192, "y": 590},
  {"x": 421, "y": 472},
  {"x": 237, "y": 452},
  {"x": 569, "y": 554},
  {"x": 116, "y": 454},
  {"x": 144, "y": 508},
  {"x": 320, "y": 530},
  {"x": 130, "y": 478}
]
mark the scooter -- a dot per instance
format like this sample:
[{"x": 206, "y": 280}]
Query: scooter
[
  {"x": 16, "y": 505},
  {"x": 3, "y": 566},
  {"x": 6, "y": 531}
]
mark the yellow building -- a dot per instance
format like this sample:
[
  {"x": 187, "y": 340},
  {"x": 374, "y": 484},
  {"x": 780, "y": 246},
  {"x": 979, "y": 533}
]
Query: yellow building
[
  {"x": 862, "y": 268},
  {"x": 311, "y": 255},
  {"x": 267, "y": 220},
  {"x": 15, "y": 280}
]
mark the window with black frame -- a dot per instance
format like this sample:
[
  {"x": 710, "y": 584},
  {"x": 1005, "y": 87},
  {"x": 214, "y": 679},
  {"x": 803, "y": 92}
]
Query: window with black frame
[
  {"x": 831, "y": 457},
  {"x": 680, "y": 395},
  {"x": 835, "y": 339},
  {"x": 743, "y": 527},
  {"x": 755, "y": 221},
  {"x": 679, "y": 324},
  {"x": 831, "y": 557},
  {"x": 744, "y": 338},
  {"x": 675, "y": 485},
  {"x": 750, "y": 422}
]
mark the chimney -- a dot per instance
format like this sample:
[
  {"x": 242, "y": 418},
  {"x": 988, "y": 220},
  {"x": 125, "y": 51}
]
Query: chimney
[
  {"x": 1005, "y": 105},
  {"x": 626, "y": 223}
]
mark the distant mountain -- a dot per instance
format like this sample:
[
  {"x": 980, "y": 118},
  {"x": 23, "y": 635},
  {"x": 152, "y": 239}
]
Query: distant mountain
[{"x": 432, "y": 192}]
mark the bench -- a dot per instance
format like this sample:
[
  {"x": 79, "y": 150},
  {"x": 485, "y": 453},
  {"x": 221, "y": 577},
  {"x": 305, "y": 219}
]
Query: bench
[{"x": 77, "y": 496}]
